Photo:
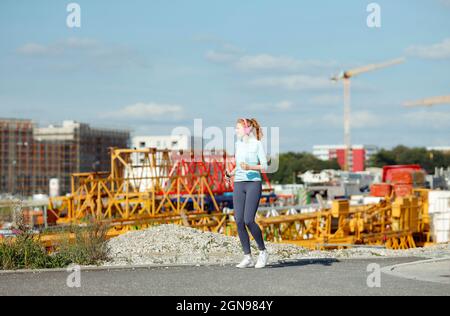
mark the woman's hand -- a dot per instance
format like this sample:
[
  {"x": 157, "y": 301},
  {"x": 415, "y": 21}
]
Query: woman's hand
[
  {"x": 228, "y": 176},
  {"x": 245, "y": 166}
]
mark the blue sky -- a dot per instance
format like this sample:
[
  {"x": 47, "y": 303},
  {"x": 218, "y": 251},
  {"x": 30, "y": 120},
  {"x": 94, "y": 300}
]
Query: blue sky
[{"x": 154, "y": 65}]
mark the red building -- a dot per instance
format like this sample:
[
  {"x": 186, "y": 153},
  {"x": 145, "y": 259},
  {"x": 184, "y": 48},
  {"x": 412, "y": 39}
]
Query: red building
[
  {"x": 360, "y": 154},
  {"x": 357, "y": 161}
]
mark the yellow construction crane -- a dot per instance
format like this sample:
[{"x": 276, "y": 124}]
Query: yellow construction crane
[
  {"x": 429, "y": 101},
  {"x": 345, "y": 76}
]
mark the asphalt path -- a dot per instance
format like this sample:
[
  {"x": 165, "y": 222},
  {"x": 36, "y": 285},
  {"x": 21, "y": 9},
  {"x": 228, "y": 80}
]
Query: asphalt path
[{"x": 299, "y": 278}]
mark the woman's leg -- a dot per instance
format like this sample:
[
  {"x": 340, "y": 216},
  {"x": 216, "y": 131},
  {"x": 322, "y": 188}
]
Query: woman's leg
[
  {"x": 239, "y": 206},
  {"x": 252, "y": 198}
]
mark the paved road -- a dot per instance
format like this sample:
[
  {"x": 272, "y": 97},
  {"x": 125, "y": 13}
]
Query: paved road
[
  {"x": 305, "y": 277},
  {"x": 430, "y": 271}
]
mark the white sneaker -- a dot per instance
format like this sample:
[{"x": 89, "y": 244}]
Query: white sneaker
[
  {"x": 262, "y": 259},
  {"x": 247, "y": 262}
]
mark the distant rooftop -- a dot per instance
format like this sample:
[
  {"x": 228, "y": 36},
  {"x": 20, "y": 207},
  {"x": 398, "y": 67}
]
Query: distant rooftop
[
  {"x": 342, "y": 146},
  {"x": 71, "y": 124},
  {"x": 14, "y": 120},
  {"x": 439, "y": 148}
]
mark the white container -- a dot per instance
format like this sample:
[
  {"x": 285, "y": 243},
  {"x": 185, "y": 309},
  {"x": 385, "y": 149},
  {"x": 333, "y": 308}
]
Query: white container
[
  {"x": 441, "y": 227},
  {"x": 40, "y": 197},
  {"x": 372, "y": 200},
  {"x": 357, "y": 200},
  {"x": 439, "y": 202},
  {"x": 54, "y": 187}
]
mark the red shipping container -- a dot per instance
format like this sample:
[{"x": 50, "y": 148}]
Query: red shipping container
[
  {"x": 402, "y": 190},
  {"x": 387, "y": 170},
  {"x": 408, "y": 177},
  {"x": 380, "y": 189},
  {"x": 401, "y": 177}
]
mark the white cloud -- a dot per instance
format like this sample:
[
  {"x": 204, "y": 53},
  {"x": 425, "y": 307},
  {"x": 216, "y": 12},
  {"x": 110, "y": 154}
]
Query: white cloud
[
  {"x": 266, "y": 62},
  {"x": 429, "y": 118},
  {"x": 270, "y": 107},
  {"x": 284, "y": 72},
  {"x": 360, "y": 119},
  {"x": 284, "y": 105},
  {"x": 58, "y": 48},
  {"x": 295, "y": 83},
  {"x": 235, "y": 57},
  {"x": 219, "y": 57},
  {"x": 227, "y": 53},
  {"x": 435, "y": 51},
  {"x": 230, "y": 48},
  {"x": 278, "y": 63},
  {"x": 411, "y": 120},
  {"x": 224, "y": 46},
  {"x": 327, "y": 99},
  {"x": 33, "y": 49},
  {"x": 76, "y": 42},
  {"x": 84, "y": 52},
  {"x": 147, "y": 111}
]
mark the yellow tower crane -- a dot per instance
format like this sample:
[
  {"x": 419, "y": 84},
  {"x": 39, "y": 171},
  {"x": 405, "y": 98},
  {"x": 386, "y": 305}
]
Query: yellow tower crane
[
  {"x": 429, "y": 101},
  {"x": 345, "y": 76}
]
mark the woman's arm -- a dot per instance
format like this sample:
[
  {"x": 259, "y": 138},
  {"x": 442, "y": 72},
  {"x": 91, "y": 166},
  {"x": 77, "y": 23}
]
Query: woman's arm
[
  {"x": 256, "y": 168},
  {"x": 262, "y": 160}
]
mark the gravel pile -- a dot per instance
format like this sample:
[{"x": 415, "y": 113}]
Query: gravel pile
[{"x": 173, "y": 244}]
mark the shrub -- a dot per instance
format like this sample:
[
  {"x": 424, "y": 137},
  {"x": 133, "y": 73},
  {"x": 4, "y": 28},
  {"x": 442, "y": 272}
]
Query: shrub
[
  {"x": 25, "y": 251},
  {"x": 88, "y": 248}
]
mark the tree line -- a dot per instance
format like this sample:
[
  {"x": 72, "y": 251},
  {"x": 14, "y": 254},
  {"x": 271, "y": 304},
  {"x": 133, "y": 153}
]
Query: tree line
[
  {"x": 294, "y": 163},
  {"x": 402, "y": 155}
]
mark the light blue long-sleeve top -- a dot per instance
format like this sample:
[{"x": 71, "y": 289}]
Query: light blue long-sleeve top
[{"x": 251, "y": 152}]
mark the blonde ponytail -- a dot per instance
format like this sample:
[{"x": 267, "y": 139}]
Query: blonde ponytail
[{"x": 258, "y": 130}]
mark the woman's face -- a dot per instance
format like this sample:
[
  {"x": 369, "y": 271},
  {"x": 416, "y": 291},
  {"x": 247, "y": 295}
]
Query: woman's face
[{"x": 239, "y": 129}]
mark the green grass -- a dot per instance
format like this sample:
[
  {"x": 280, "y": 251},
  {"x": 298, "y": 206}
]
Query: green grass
[
  {"x": 26, "y": 251},
  {"x": 88, "y": 248},
  {"x": 5, "y": 214}
]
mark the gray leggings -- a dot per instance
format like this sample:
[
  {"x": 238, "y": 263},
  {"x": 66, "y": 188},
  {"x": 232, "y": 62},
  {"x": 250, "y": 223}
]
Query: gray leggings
[{"x": 246, "y": 198}]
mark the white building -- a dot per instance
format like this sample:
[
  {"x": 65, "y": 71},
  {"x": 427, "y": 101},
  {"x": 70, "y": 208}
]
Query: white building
[
  {"x": 439, "y": 148},
  {"x": 173, "y": 142}
]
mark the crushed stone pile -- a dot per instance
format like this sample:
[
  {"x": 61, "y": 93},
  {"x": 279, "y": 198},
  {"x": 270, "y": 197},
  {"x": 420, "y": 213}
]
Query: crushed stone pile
[{"x": 174, "y": 244}]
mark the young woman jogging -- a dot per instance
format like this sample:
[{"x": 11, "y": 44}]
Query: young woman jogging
[{"x": 251, "y": 160}]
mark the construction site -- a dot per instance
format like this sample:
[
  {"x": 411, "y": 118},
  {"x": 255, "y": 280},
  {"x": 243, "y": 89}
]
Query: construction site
[
  {"x": 146, "y": 187},
  {"x": 103, "y": 178},
  {"x": 171, "y": 188}
]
